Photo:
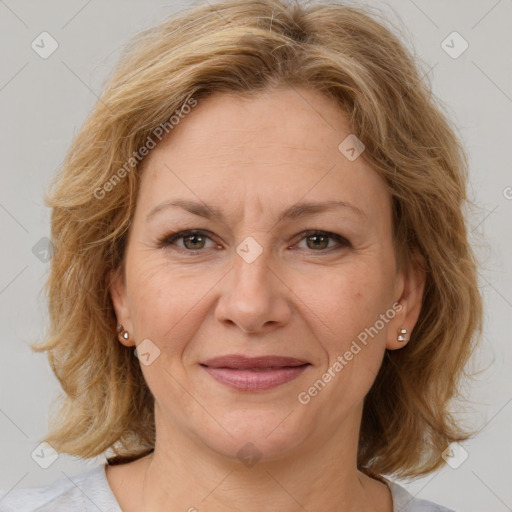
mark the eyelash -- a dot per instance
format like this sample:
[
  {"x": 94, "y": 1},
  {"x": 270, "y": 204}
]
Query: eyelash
[{"x": 169, "y": 239}]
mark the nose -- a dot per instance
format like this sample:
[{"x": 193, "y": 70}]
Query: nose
[{"x": 254, "y": 297}]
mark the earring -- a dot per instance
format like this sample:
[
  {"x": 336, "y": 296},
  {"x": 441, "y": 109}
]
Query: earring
[
  {"x": 402, "y": 335},
  {"x": 125, "y": 334}
]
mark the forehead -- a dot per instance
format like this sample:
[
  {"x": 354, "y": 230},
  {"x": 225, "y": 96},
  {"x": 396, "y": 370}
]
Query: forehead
[{"x": 276, "y": 147}]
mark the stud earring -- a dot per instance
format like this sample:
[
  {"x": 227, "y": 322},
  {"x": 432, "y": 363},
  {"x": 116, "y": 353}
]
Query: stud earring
[
  {"x": 125, "y": 334},
  {"x": 402, "y": 335}
]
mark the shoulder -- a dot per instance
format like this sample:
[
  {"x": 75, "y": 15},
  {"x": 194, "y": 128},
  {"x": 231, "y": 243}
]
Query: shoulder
[
  {"x": 404, "y": 501},
  {"x": 86, "y": 492}
]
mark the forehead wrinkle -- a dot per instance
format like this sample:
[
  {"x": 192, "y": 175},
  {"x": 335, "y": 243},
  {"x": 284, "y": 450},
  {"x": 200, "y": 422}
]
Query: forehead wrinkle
[{"x": 295, "y": 211}]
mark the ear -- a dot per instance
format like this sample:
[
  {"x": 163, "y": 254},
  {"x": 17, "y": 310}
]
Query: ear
[
  {"x": 117, "y": 289},
  {"x": 410, "y": 284}
]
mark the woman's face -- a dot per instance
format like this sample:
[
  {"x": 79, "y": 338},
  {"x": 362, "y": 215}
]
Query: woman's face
[{"x": 254, "y": 284}]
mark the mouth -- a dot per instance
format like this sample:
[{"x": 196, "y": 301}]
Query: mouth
[{"x": 254, "y": 373}]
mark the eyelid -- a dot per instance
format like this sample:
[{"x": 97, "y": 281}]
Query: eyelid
[
  {"x": 342, "y": 241},
  {"x": 169, "y": 240}
]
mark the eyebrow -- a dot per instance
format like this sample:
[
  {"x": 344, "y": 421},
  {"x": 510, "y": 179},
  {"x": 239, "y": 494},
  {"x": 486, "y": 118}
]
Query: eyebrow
[{"x": 294, "y": 212}]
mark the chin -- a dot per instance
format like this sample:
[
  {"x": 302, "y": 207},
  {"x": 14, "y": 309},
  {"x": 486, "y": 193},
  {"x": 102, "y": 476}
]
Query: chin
[{"x": 261, "y": 436}]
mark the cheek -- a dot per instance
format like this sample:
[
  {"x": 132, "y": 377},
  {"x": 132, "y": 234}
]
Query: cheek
[
  {"x": 353, "y": 297},
  {"x": 164, "y": 306},
  {"x": 169, "y": 303},
  {"x": 162, "y": 301},
  {"x": 357, "y": 311}
]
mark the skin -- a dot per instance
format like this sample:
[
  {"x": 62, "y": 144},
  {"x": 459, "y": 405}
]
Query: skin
[{"x": 252, "y": 159}]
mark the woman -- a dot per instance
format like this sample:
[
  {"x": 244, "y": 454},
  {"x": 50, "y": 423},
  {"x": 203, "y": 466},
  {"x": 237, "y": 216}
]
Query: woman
[{"x": 262, "y": 296}]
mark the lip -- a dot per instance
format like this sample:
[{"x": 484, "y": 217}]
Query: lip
[
  {"x": 254, "y": 373},
  {"x": 240, "y": 362}
]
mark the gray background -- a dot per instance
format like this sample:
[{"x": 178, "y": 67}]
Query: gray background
[{"x": 43, "y": 102}]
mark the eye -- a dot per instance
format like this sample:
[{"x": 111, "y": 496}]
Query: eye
[
  {"x": 194, "y": 240},
  {"x": 320, "y": 240}
]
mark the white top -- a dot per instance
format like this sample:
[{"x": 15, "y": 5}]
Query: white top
[{"x": 90, "y": 492}]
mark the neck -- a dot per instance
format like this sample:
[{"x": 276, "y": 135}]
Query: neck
[{"x": 184, "y": 474}]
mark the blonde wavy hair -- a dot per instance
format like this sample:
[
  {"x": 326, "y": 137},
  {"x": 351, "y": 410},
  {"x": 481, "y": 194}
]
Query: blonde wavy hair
[{"x": 245, "y": 47}]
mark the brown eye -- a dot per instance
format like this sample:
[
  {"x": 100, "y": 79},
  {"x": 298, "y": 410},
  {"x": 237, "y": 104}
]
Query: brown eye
[
  {"x": 193, "y": 240},
  {"x": 318, "y": 241},
  {"x": 196, "y": 240}
]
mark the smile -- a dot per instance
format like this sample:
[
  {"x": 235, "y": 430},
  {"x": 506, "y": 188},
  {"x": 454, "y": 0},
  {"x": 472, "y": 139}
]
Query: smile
[{"x": 254, "y": 374}]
